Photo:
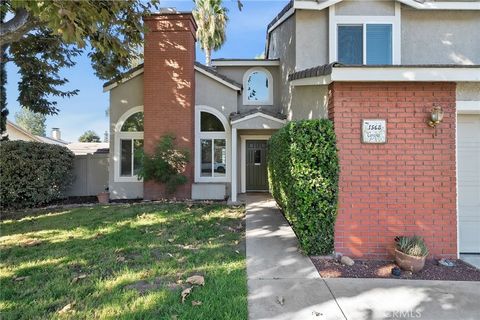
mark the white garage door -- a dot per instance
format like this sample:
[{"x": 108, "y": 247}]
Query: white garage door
[{"x": 468, "y": 136}]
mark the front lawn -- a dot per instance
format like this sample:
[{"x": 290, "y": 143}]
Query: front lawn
[{"x": 124, "y": 262}]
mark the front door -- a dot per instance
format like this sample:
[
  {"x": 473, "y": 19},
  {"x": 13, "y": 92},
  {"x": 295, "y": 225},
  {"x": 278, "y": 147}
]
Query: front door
[{"x": 256, "y": 170}]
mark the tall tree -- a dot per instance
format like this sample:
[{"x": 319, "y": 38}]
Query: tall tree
[
  {"x": 31, "y": 121},
  {"x": 43, "y": 37},
  {"x": 89, "y": 136},
  {"x": 3, "y": 83},
  {"x": 211, "y": 18}
]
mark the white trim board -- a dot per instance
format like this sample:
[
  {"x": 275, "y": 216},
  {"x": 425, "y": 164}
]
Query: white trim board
[
  {"x": 446, "y": 5},
  {"x": 258, "y": 114},
  {"x": 140, "y": 71},
  {"x": 468, "y": 107},
  {"x": 388, "y": 74},
  {"x": 244, "y": 63},
  {"x": 123, "y": 80},
  {"x": 243, "y": 158}
]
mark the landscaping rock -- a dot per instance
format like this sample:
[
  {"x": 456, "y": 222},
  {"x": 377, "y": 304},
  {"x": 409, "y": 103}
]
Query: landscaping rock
[
  {"x": 347, "y": 261},
  {"x": 446, "y": 263}
]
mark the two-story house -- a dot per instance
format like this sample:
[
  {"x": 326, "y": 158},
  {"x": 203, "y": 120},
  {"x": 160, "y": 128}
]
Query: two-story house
[{"x": 384, "y": 72}]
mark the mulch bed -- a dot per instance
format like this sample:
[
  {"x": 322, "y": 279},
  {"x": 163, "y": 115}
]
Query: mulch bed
[{"x": 330, "y": 268}]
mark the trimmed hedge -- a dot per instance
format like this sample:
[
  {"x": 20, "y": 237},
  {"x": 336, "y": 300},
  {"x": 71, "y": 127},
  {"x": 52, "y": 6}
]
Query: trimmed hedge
[
  {"x": 303, "y": 174},
  {"x": 33, "y": 173}
]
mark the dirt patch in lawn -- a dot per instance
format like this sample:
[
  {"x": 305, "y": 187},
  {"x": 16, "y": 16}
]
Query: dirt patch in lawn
[
  {"x": 144, "y": 286},
  {"x": 330, "y": 268}
]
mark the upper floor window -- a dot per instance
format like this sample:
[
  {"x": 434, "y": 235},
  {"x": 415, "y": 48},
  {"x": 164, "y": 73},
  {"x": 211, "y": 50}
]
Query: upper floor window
[
  {"x": 369, "y": 44},
  {"x": 365, "y": 40},
  {"x": 129, "y": 145},
  {"x": 257, "y": 87}
]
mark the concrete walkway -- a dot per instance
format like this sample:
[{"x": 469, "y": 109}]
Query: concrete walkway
[{"x": 284, "y": 284}]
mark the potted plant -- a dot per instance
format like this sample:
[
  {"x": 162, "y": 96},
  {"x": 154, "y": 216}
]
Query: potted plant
[
  {"x": 104, "y": 196},
  {"x": 410, "y": 253}
]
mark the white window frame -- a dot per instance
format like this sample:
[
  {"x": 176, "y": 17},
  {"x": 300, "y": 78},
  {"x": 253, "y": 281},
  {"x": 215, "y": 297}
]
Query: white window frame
[
  {"x": 119, "y": 135},
  {"x": 336, "y": 20},
  {"x": 267, "y": 102},
  {"x": 213, "y": 135}
]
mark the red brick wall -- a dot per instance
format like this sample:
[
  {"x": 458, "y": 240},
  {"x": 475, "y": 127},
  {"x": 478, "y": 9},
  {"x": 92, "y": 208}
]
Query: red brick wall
[
  {"x": 404, "y": 187},
  {"x": 169, "y": 90}
]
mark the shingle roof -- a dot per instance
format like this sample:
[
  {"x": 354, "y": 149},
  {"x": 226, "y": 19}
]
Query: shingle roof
[
  {"x": 313, "y": 72},
  {"x": 236, "y": 115},
  {"x": 216, "y": 74},
  {"x": 280, "y": 14},
  {"x": 326, "y": 69},
  {"x": 210, "y": 70}
]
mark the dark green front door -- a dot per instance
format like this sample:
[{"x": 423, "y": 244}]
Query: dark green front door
[{"x": 256, "y": 165}]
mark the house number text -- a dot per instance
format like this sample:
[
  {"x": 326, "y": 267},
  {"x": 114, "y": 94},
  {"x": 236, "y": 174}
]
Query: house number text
[{"x": 374, "y": 131}]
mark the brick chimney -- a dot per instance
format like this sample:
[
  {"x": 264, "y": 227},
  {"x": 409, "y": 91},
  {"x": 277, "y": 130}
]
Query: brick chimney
[{"x": 169, "y": 90}]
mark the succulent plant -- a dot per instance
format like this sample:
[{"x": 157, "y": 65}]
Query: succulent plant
[{"x": 413, "y": 246}]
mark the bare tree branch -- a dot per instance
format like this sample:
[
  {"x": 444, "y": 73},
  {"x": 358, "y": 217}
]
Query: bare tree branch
[{"x": 15, "y": 28}]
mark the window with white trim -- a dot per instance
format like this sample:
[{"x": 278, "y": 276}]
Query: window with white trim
[
  {"x": 257, "y": 87},
  {"x": 368, "y": 43},
  {"x": 213, "y": 146},
  {"x": 129, "y": 145}
]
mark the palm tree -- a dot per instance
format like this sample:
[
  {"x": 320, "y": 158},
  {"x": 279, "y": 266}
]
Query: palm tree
[{"x": 211, "y": 18}]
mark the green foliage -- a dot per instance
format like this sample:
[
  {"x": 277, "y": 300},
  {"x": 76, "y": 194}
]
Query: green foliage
[
  {"x": 166, "y": 165},
  {"x": 89, "y": 136},
  {"x": 43, "y": 37},
  {"x": 33, "y": 173},
  {"x": 211, "y": 18},
  {"x": 31, "y": 121},
  {"x": 132, "y": 256},
  {"x": 413, "y": 246},
  {"x": 3, "y": 83},
  {"x": 303, "y": 175}
]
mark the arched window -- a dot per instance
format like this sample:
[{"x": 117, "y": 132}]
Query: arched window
[
  {"x": 211, "y": 145},
  {"x": 257, "y": 87},
  {"x": 129, "y": 145}
]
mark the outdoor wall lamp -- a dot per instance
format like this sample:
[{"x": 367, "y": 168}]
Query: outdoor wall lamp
[{"x": 436, "y": 117}]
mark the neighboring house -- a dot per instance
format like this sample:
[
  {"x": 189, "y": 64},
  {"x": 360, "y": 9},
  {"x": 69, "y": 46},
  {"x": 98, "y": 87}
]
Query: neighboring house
[
  {"x": 387, "y": 61},
  {"x": 15, "y": 132}
]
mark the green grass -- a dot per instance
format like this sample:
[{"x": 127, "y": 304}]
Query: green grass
[{"x": 135, "y": 258}]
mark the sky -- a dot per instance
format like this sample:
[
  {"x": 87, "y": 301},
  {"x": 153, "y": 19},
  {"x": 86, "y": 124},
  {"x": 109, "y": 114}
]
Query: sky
[{"x": 246, "y": 32}]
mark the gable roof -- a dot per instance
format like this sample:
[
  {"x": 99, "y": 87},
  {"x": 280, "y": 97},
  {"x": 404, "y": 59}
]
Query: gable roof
[
  {"x": 23, "y": 131},
  {"x": 208, "y": 71}
]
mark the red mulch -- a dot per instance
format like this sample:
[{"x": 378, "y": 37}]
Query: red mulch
[{"x": 330, "y": 268}]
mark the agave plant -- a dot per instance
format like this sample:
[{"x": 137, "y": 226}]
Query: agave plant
[{"x": 413, "y": 246}]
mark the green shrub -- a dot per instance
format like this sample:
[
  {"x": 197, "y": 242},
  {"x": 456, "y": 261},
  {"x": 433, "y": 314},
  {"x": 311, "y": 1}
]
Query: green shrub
[
  {"x": 33, "y": 173},
  {"x": 166, "y": 165},
  {"x": 303, "y": 176}
]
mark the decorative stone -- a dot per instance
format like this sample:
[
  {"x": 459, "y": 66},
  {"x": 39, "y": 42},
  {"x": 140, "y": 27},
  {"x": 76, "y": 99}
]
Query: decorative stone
[
  {"x": 396, "y": 271},
  {"x": 446, "y": 263},
  {"x": 347, "y": 261}
]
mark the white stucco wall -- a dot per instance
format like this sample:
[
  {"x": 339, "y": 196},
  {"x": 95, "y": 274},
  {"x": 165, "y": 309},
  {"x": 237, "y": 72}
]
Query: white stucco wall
[
  {"x": 122, "y": 98},
  {"x": 309, "y": 102},
  {"x": 282, "y": 46},
  {"x": 365, "y": 8},
  {"x": 311, "y": 34},
  {"x": 468, "y": 91},
  {"x": 237, "y": 73},
  {"x": 440, "y": 37}
]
